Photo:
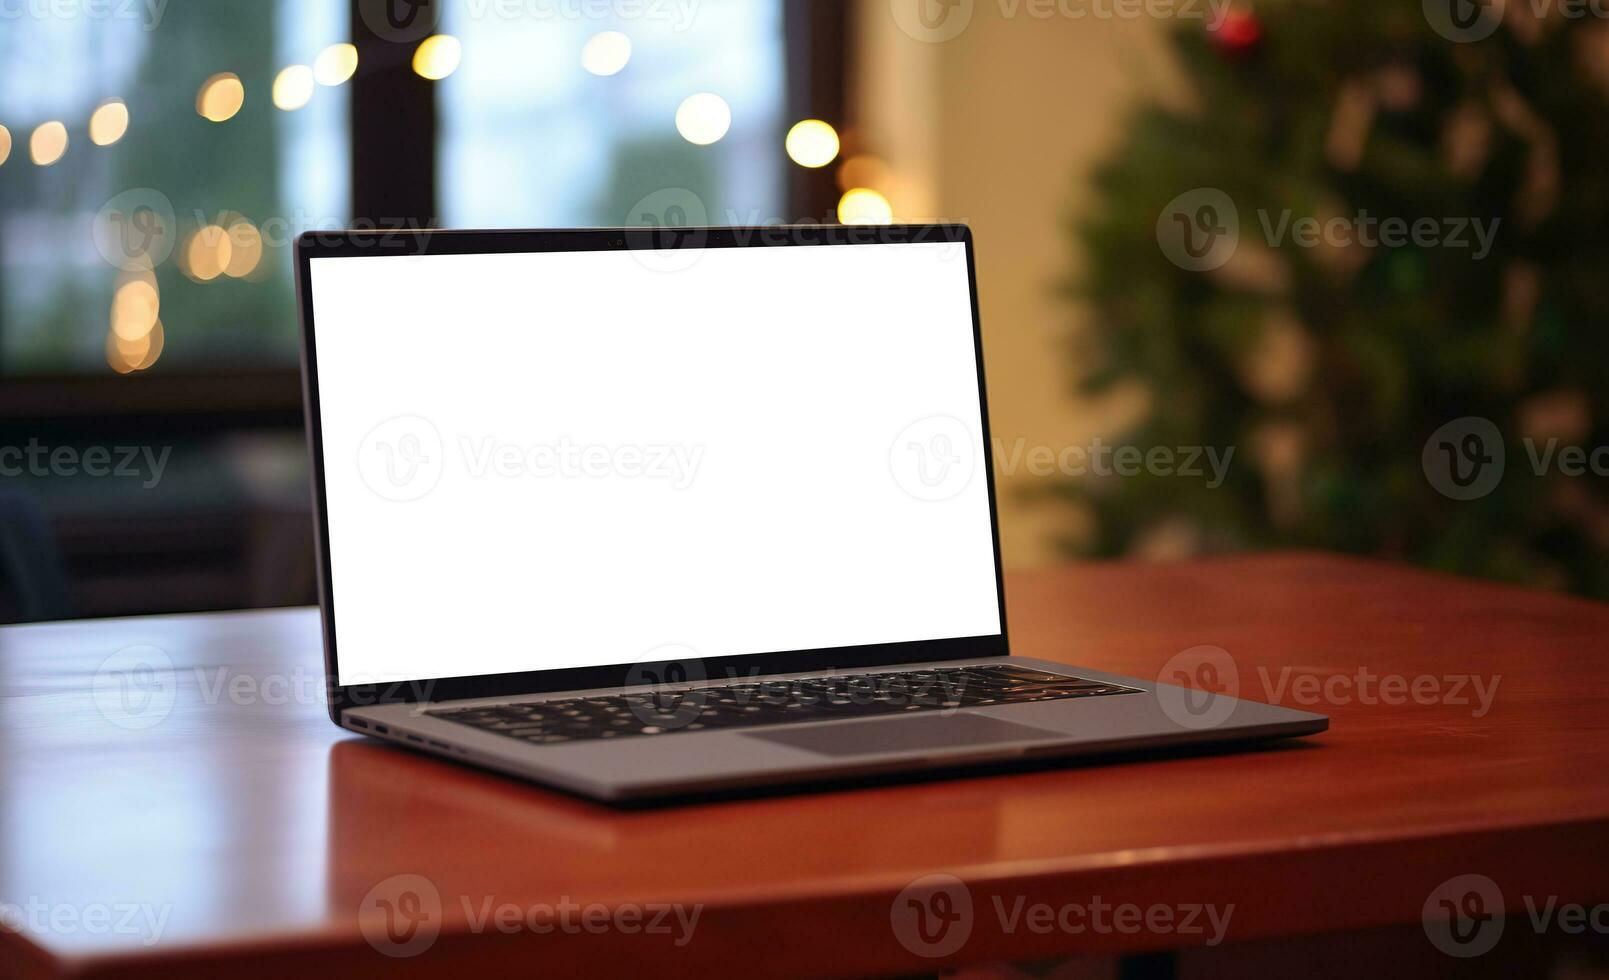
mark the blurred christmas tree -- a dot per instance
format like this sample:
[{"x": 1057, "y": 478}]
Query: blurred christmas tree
[{"x": 1328, "y": 364}]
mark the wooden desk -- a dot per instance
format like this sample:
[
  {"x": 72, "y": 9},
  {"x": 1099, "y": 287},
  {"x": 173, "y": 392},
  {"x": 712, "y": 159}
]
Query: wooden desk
[{"x": 256, "y": 830}]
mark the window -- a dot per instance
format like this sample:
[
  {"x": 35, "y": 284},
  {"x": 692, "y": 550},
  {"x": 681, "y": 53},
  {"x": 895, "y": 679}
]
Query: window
[
  {"x": 227, "y": 131},
  {"x": 533, "y": 134},
  {"x": 168, "y": 244}
]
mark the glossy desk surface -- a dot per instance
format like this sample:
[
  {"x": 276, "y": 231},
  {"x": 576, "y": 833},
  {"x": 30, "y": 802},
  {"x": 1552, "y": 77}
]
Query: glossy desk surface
[{"x": 242, "y": 831}]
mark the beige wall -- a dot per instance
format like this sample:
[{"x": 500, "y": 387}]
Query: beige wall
[{"x": 1000, "y": 127}]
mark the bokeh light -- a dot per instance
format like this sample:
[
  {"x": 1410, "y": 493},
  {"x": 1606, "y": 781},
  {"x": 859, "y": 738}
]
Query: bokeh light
[
  {"x": 208, "y": 253},
  {"x": 135, "y": 306},
  {"x": 864, "y": 206},
  {"x": 245, "y": 249},
  {"x": 5, "y": 144},
  {"x": 220, "y": 97},
  {"x": 812, "y": 143},
  {"x": 108, "y": 122},
  {"x": 437, "y": 56},
  {"x": 704, "y": 118},
  {"x": 335, "y": 64},
  {"x": 126, "y": 356},
  {"x": 48, "y": 143},
  {"x": 606, "y": 53},
  {"x": 293, "y": 87}
]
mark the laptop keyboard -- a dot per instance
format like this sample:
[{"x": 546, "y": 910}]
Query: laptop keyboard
[{"x": 778, "y": 702}]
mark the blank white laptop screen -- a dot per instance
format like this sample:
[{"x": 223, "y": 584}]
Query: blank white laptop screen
[{"x": 572, "y": 459}]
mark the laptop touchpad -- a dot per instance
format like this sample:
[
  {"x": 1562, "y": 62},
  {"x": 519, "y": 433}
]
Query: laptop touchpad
[{"x": 906, "y": 735}]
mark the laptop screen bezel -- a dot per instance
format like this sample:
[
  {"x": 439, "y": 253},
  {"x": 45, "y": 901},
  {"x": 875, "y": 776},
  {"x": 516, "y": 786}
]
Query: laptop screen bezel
[{"x": 337, "y": 244}]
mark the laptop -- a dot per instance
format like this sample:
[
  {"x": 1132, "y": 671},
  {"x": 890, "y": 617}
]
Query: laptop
[{"x": 645, "y": 514}]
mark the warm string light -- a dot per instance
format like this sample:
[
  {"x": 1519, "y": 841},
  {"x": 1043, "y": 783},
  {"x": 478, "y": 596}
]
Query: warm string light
[
  {"x": 48, "y": 143},
  {"x": 864, "y": 206},
  {"x": 135, "y": 306},
  {"x": 128, "y": 356},
  {"x": 220, "y": 97},
  {"x": 606, "y": 53},
  {"x": 232, "y": 248},
  {"x": 245, "y": 249},
  {"x": 812, "y": 143},
  {"x": 335, "y": 64},
  {"x": 235, "y": 248},
  {"x": 293, "y": 87},
  {"x": 703, "y": 119},
  {"x": 108, "y": 123},
  {"x": 437, "y": 56},
  {"x": 134, "y": 336}
]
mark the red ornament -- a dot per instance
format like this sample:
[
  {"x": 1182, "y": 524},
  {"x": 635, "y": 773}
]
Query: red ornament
[{"x": 1238, "y": 34}]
